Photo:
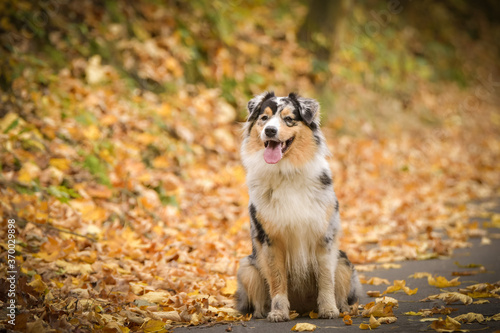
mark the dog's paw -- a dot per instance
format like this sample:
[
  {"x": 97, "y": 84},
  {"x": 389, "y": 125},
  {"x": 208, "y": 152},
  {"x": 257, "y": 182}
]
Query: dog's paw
[
  {"x": 344, "y": 308},
  {"x": 329, "y": 313},
  {"x": 277, "y": 315}
]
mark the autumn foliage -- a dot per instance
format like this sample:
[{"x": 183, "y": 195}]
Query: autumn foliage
[{"x": 119, "y": 136}]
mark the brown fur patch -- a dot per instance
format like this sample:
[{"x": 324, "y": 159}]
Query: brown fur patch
[
  {"x": 303, "y": 147},
  {"x": 268, "y": 112},
  {"x": 286, "y": 112}
]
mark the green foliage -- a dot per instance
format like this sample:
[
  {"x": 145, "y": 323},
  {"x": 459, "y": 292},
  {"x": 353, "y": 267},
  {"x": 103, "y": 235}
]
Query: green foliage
[
  {"x": 97, "y": 168},
  {"x": 62, "y": 193}
]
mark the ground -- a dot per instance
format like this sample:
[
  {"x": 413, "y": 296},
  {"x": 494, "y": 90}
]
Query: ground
[{"x": 477, "y": 255}]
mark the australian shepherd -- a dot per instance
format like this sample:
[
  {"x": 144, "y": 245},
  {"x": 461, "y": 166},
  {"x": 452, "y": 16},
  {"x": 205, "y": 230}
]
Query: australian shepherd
[{"x": 294, "y": 214}]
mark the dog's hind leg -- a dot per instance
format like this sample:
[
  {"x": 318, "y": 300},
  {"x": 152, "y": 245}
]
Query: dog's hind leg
[
  {"x": 252, "y": 295},
  {"x": 343, "y": 282},
  {"x": 347, "y": 286}
]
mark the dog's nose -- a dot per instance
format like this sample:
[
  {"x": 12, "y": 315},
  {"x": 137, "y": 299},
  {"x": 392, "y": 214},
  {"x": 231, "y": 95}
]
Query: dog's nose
[{"x": 271, "y": 131}]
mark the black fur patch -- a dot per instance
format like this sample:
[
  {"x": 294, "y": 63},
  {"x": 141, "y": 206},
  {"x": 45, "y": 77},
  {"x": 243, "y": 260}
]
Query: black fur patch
[
  {"x": 325, "y": 179},
  {"x": 336, "y": 205},
  {"x": 260, "y": 233},
  {"x": 352, "y": 298},
  {"x": 269, "y": 103},
  {"x": 254, "y": 107},
  {"x": 328, "y": 239},
  {"x": 342, "y": 254},
  {"x": 304, "y": 113}
]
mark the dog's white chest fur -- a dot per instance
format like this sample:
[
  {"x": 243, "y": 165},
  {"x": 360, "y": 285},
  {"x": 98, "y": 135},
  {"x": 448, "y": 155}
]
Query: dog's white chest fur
[{"x": 294, "y": 204}]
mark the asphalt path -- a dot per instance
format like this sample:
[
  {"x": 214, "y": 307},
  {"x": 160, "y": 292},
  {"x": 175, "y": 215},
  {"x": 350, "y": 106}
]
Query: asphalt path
[{"x": 479, "y": 254}]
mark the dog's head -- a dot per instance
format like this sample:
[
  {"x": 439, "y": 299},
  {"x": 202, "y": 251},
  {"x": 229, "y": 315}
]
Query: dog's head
[{"x": 283, "y": 127}]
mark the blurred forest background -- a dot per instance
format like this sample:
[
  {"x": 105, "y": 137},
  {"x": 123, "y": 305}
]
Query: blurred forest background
[{"x": 120, "y": 129}]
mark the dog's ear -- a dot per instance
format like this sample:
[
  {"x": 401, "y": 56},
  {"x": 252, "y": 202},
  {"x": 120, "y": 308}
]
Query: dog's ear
[
  {"x": 255, "y": 103},
  {"x": 308, "y": 108}
]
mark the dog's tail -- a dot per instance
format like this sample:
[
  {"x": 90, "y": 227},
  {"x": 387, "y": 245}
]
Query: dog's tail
[{"x": 356, "y": 289}]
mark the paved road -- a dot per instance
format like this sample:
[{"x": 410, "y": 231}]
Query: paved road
[{"x": 486, "y": 255}]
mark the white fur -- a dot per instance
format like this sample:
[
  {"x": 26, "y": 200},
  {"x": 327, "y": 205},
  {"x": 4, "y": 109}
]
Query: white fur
[
  {"x": 298, "y": 205},
  {"x": 273, "y": 122}
]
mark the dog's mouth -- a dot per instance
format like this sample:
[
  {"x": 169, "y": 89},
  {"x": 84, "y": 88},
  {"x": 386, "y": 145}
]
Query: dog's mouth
[{"x": 274, "y": 150}]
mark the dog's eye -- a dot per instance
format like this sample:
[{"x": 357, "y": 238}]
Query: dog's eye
[
  {"x": 264, "y": 118},
  {"x": 288, "y": 119}
]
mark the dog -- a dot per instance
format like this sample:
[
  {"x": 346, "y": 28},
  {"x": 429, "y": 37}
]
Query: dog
[{"x": 294, "y": 215}]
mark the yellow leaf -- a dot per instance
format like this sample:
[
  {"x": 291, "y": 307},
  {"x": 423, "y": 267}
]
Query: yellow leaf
[
  {"x": 313, "y": 315},
  {"x": 450, "y": 298},
  {"x": 413, "y": 313},
  {"x": 153, "y": 326},
  {"x": 169, "y": 315},
  {"x": 470, "y": 317},
  {"x": 481, "y": 301},
  {"x": 374, "y": 323},
  {"x": 230, "y": 288},
  {"x": 388, "y": 301},
  {"x": 378, "y": 310},
  {"x": 60, "y": 163},
  {"x": 38, "y": 284},
  {"x": 373, "y": 293},
  {"x": 400, "y": 285},
  {"x": 447, "y": 325},
  {"x": 442, "y": 282},
  {"x": 494, "y": 317},
  {"x": 387, "y": 320},
  {"x": 155, "y": 296},
  {"x": 302, "y": 327},
  {"x": 28, "y": 172},
  {"x": 420, "y": 275},
  {"x": 74, "y": 269},
  {"x": 477, "y": 294},
  {"x": 375, "y": 281}
]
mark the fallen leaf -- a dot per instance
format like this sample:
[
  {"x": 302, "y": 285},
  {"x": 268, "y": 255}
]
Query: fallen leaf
[
  {"x": 481, "y": 301},
  {"x": 347, "y": 320},
  {"x": 155, "y": 297},
  {"x": 230, "y": 288},
  {"x": 387, "y": 320},
  {"x": 378, "y": 310},
  {"x": 374, "y": 323},
  {"x": 153, "y": 325},
  {"x": 442, "y": 282},
  {"x": 420, "y": 275},
  {"x": 38, "y": 284},
  {"x": 303, "y": 327},
  {"x": 447, "y": 325},
  {"x": 388, "y": 301},
  {"x": 400, "y": 285},
  {"x": 470, "y": 317},
  {"x": 413, "y": 313},
  {"x": 373, "y": 293},
  {"x": 451, "y": 297},
  {"x": 375, "y": 281}
]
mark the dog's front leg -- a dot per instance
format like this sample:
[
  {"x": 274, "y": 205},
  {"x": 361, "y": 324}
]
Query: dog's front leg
[
  {"x": 327, "y": 308},
  {"x": 273, "y": 267}
]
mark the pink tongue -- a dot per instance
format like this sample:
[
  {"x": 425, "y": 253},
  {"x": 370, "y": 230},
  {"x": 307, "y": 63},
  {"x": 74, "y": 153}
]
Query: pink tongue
[{"x": 272, "y": 154}]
